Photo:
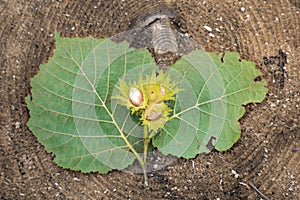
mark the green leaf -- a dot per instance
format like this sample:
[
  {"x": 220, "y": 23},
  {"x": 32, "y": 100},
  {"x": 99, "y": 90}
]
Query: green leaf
[
  {"x": 71, "y": 110},
  {"x": 206, "y": 113},
  {"x": 74, "y": 117}
]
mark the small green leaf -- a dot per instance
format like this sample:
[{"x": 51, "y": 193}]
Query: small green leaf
[{"x": 206, "y": 113}]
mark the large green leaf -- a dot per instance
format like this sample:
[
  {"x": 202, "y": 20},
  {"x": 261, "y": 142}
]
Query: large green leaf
[
  {"x": 206, "y": 114},
  {"x": 71, "y": 109}
]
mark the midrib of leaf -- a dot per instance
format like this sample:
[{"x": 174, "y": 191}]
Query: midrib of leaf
[
  {"x": 63, "y": 81},
  {"x": 196, "y": 128},
  {"x": 103, "y": 103},
  {"x": 123, "y": 124},
  {"x": 65, "y": 98},
  {"x": 183, "y": 77},
  {"x": 108, "y": 76},
  {"x": 71, "y": 116},
  {"x": 232, "y": 80},
  {"x": 201, "y": 91},
  {"x": 93, "y": 154},
  {"x": 74, "y": 136},
  {"x": 206, "y": 81},
  {"x": 176, "y": 115},
  {"x": 172, "y": 136}
]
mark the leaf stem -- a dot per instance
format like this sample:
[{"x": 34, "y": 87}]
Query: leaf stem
[{"x": 146, "y": 144}]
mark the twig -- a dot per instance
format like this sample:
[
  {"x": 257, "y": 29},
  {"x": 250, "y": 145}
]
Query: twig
[
  {"x": 145, "y": 177},
  {"x": 245, "y": 184},
  {"x": 258, "y": 191}
]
